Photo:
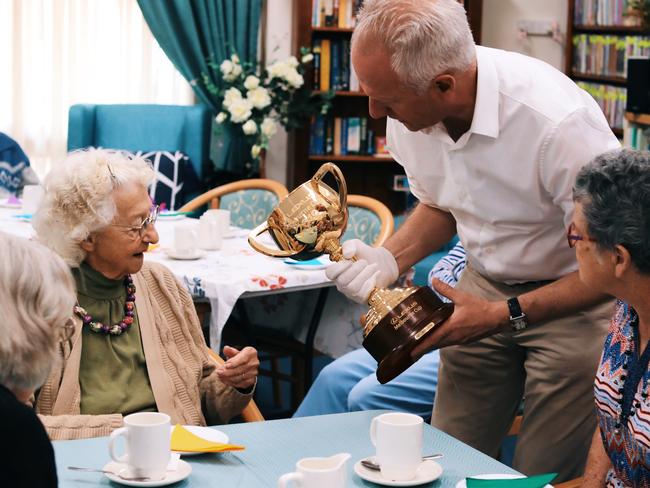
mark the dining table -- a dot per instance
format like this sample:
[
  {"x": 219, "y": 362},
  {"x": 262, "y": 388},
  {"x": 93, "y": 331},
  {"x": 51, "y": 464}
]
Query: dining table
[
  {"x": 237, "y": 272},
  {"x": 273, "y": 447}
]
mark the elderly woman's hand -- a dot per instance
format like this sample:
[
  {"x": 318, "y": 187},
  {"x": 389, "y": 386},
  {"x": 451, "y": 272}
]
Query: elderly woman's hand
[{"x": 240, "y": 368}]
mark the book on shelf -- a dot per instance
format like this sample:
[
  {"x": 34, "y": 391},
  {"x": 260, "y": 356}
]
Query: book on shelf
[
  {"x": 380, "y": 150},
  {"x": 637, "y": 137},
  {"x": 315, "y": 49},
  {"x": 611, "y": 99},
  {"x": 325, "y": 64},
  {"x": 335, "y": 13},
  {"x": 333, "y": 68},
  {"x": 341, "y": 136},
  {"x": 600, "y": 12},
  {"x": 607, "y": 55}
]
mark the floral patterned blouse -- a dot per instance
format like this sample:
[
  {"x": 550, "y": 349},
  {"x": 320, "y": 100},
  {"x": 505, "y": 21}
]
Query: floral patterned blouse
[{"x": 624, "y": 413}]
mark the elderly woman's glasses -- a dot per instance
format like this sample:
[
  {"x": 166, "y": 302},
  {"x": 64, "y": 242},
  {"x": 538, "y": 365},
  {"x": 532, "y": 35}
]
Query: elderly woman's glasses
[
  {"x": 572, "y": 237},
  {"x": 135, "y": 231}
]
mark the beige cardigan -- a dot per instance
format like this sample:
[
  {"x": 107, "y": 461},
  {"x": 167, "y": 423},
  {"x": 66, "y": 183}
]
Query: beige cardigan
[{"x": 182, "y": 374}]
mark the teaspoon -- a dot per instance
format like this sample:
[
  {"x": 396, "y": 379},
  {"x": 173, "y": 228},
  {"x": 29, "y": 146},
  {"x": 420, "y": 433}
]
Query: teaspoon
[{"x": 367, "y": 463}]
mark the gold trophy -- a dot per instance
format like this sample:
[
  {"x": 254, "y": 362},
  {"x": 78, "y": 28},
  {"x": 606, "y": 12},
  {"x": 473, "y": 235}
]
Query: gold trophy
[{"x": 308, "y": 223}]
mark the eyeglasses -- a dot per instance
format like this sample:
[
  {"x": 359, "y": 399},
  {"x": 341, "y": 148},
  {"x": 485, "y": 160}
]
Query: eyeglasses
[
  {"x": 140, "y": 230},
  {"x": 572, "y": 237}
]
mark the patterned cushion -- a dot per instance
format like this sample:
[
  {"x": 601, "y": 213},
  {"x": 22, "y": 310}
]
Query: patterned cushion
[
  {"x": 249, "y": 208},
  {"x": 176, "y": 180},
  {"x": 362, "y": 224}
]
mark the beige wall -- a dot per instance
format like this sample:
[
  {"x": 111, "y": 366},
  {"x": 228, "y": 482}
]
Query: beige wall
[
  {"x": 278, "y": 46},
  {"x": 500, "y": 31}
]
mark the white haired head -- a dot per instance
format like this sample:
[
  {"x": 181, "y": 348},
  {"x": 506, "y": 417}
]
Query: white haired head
[
  {"x": 424, "y": 38},
  {"x": 79, "y": 197},
  {"x": 36, "y": 298}
]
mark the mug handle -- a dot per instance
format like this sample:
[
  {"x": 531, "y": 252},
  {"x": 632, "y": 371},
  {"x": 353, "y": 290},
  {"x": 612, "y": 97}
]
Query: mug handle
[
  {"x": 288, "y": 478},
  {"x": 121, "y": 432},
  {"x": 373, "y": 431}
]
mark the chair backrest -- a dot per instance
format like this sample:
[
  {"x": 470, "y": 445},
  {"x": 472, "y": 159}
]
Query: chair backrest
[
  {"x": 250, "y": 201},
  {"x": 251, "y": 413},
  {"x": 184, "y": 128},
  {"x": 368, "y": 220}
]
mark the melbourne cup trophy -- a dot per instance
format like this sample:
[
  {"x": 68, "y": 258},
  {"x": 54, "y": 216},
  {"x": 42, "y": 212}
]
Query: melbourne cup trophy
[{"x": 308, "y": 223}]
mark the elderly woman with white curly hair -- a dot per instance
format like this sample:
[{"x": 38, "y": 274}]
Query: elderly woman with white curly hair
[
  {"x": 137, "y": 344},
  {"x": 35, "y": 321}
]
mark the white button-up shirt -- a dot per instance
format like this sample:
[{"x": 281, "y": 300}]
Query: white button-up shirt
[{"x": 508, "y": 181}]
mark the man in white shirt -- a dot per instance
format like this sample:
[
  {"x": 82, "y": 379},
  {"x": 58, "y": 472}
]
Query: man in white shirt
[{"x": 491, "y": 142}]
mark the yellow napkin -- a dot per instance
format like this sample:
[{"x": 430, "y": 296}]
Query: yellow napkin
[{"x": 184, "y": 441}]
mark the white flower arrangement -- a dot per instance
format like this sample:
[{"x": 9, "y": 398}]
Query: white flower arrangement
[{"x": 257, "y": 101}]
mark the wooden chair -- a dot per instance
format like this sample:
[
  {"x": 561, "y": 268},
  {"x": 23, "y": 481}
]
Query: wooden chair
[
  {"x": 514, "y": 430},
  {"x": 250, "y": 201},
  {"x": 369, "y": 220},
  {"x": 251, "y": 413}
]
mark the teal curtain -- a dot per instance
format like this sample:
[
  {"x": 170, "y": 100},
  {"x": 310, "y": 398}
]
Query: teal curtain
[{"x": 192, "y": 32}]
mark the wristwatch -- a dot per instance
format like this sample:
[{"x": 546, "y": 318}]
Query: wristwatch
[{"x": 518, "y": 319}]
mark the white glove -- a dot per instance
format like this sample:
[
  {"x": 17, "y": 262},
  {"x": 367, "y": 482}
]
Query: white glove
[{"x": 375, "y": 267}]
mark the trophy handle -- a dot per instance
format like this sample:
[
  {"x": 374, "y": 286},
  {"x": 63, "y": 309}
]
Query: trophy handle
[
  {"x": 338, "y": 176},
  {"x": 261, "y": 248}
]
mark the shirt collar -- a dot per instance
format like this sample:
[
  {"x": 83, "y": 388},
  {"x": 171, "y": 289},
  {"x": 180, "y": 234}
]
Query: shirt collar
[{"x": 486, "y": 108}]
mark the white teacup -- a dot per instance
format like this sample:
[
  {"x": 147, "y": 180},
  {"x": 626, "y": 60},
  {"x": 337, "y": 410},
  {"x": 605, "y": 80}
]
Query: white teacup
[
  {"x": 210, "y": 233},
  {"x": 318, "y": 472},
  {"x": 147, "y": 444},
  {"x": 398, "y": 439},
  {"x": 186, "y": 238},
  {"x": 219, "y": 215},
  {"x": 32, "y": 196}
]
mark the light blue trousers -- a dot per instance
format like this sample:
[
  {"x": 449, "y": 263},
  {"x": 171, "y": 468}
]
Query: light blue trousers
[{"x": 349, "y": 384}]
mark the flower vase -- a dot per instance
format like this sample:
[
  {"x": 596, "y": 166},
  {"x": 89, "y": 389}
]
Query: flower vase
[{"x": 231, "y": 152}]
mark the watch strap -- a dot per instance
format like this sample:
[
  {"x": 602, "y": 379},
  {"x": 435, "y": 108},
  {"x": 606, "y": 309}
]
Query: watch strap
[{"x": 514, "y": 308}]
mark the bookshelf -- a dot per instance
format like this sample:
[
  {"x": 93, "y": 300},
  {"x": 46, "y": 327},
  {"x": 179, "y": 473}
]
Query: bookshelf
[
  {"x": 597, "y": 47},
  {"x": 636, "y": 133},
  {"x": 365, "y": 173}
]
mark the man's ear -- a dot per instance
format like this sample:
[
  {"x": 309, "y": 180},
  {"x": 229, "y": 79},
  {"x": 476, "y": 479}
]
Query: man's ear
[
  {"x": 444, "y": 83},
  {"x": 88, "y": 244},
  {"x": 623, "y": 261}
]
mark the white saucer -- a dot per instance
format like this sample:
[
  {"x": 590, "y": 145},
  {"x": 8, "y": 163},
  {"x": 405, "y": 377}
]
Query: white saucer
[
  {"x": 493, "y": 476},
  {"x": 171, "y": 216},
  {"x": 311, "y": 264},
  {"x": 212, "y": 435},
  {"x": 428, "y": 471},
  {"x": 182, "y": 471},
  {"x": 174, "y": 254}
]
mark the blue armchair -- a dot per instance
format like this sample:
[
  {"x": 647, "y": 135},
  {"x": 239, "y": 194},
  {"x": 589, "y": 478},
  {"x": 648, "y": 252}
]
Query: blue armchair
[{"x": 184, "y": 128}]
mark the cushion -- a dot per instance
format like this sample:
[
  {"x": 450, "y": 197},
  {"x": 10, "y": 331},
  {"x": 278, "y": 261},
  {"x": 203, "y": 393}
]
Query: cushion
[{"x": 176, "y": 181}]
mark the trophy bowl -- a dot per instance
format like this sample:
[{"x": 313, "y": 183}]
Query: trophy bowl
[{"x": 308, "y": 223}]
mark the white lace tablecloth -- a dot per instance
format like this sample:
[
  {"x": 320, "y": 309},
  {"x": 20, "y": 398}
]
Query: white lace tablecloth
[{"x": 237, "y": 271}]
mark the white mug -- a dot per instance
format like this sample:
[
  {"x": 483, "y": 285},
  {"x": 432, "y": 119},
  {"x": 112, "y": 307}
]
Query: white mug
[
  {"x": 210, "y": 233},
  {"x": 186, "y": 238},
  {"x": 330, "y": 472},
  {"x": 221, "y": 216},
  {"x": 147, "y": 444},
  {"x": 398, "y": 439},
  {"x": 32, "y": 196}
]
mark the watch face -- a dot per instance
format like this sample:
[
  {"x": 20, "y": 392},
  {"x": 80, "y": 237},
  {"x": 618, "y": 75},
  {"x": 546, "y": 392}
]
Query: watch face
[{"x": 519, "y": 323}]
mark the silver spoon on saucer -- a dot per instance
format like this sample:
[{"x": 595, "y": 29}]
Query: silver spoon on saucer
[
  {"x": 367, "y": 463},
  {"x": 105, "y": 471}
]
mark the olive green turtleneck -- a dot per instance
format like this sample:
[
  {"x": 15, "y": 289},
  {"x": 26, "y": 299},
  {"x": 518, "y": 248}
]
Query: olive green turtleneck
[{"x": 113, "y": 372}]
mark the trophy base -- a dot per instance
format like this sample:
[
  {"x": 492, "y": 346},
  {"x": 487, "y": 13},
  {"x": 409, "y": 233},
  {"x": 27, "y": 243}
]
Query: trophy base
[{"x": 391, "y": 341}]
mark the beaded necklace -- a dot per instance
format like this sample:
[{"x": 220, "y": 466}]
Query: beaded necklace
[
  {"x": 634, "y": 371},
  {"x": 115, "y": 329}
]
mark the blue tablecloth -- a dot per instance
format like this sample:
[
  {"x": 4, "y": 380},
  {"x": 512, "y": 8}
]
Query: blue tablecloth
[{"x": 272, "y": 449}]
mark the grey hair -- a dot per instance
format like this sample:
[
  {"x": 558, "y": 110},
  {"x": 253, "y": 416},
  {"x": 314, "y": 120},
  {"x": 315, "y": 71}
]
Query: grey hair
[
  {"x": 79, "y": 197},
  {"x": 37, "y": 294},
  {"x": 614, "y": 190},
  {"x": 425, "y": 38}
]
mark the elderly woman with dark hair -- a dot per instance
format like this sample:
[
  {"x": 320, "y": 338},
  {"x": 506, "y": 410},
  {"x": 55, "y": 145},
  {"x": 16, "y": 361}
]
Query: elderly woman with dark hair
[
  {"x": 36, "y": 296},
  {"x": 137, "y": 344},
  {"x": 611, "y": 235}
]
